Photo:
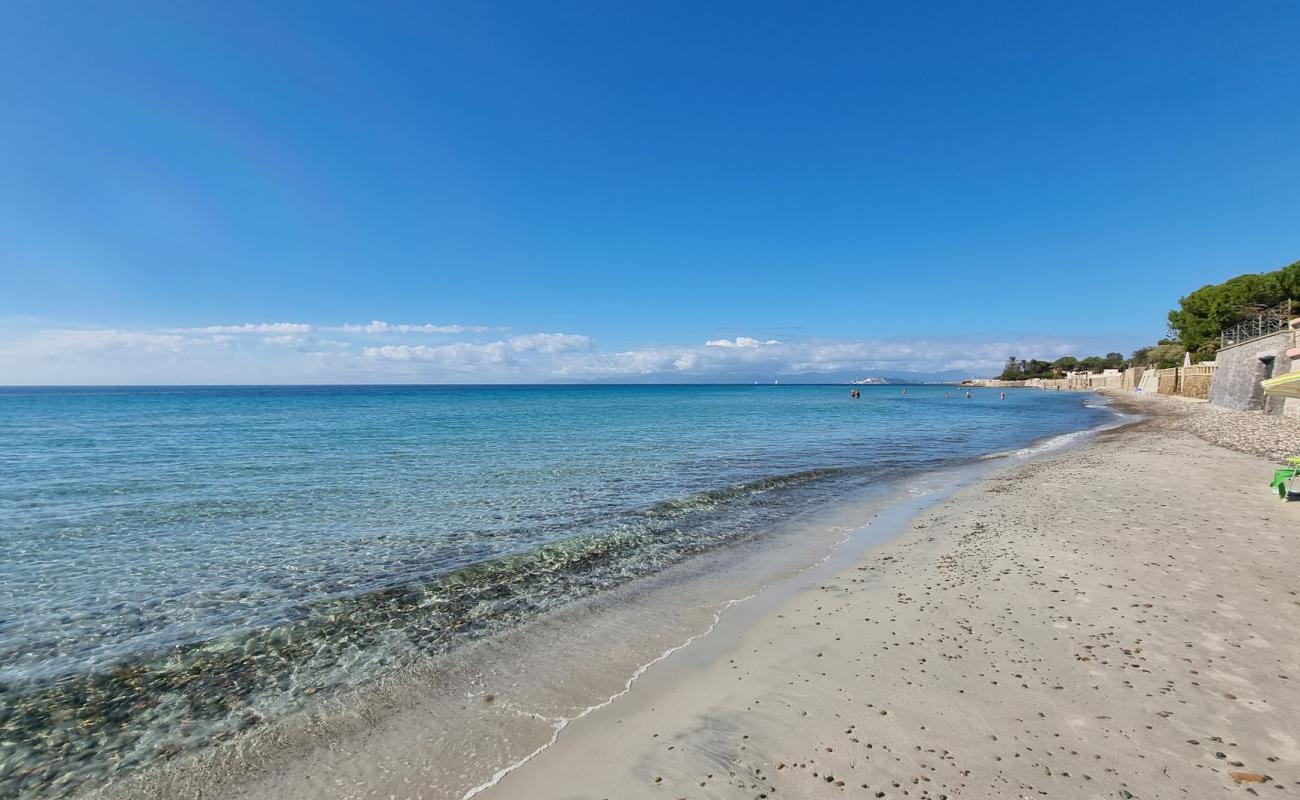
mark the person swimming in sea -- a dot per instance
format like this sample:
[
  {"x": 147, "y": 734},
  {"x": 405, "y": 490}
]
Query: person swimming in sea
[{"x": 968, "y": 394}]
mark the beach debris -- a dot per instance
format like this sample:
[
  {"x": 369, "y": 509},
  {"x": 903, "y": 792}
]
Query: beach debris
[{"x": 1249, "y": 777}]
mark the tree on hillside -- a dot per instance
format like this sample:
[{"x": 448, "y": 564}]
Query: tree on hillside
[
  {"x": 1203, "y": 313},
  {"x": 1163, "y": 355},
  {"x": 1038, "y": 369},
  {"x": 1026, "y": 368},
  {"x": 1091, "y": 364},
  {"x": 1018, "y": 369},
  {"x": 1065, "y": 364}
]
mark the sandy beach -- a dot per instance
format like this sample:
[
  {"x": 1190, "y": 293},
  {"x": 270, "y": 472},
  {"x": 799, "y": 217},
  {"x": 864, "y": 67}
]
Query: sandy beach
[
  {"x": 1116, "y": 621},
  {"x": 1121, "y": 619},
  {"x": 551, "y": 401}
]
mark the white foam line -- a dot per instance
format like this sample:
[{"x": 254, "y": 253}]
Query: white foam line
[
  {"x": 1062, "y": 441},
  {"x": 519, "y": 712},
  {"x": 561, "y": 723}
]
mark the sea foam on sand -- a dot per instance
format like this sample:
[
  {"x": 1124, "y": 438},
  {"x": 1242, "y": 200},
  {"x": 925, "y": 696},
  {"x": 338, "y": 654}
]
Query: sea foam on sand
[
  {"x": 1116, "y": 620},
  {"x": 1087, "y": 625}
]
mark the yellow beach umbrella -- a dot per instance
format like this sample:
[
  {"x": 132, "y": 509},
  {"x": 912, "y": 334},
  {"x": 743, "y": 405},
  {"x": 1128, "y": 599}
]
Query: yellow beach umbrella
[{"x": 1287, "y": 385}]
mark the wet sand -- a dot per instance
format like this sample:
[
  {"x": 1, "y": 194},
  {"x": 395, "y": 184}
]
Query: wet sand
[
  {"x": 1116, "y": 620},
  {"x": 1120, "y": 620}
]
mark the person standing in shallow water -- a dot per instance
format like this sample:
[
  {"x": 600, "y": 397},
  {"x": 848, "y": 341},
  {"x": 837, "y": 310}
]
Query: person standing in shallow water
[
  {"x": 968, "y": 394},
  {"x": 1002, "y": 396}
]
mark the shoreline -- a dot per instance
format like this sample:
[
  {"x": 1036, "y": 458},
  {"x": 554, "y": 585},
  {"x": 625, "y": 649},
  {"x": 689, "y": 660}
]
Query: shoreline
[
  {"x": 494, "y": 712},
  {"x": 990, "y": 652},
  {"x": 889, "y": 521},
  {"x": 441, "y": 693},
  {"x": 217, "y": 641},
  {"x": 1121, "y": 693},
  {"x": 402, "y": 742}
]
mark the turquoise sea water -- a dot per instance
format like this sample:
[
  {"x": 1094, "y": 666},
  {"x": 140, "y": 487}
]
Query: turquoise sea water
[{"x": 181, "y": 563}]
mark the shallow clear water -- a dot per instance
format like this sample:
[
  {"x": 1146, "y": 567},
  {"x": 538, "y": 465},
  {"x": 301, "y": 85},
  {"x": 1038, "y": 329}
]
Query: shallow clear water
[{"x": 198, "y": 559}]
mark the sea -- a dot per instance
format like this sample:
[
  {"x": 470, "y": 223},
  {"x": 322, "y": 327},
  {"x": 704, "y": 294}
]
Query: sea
[{"x": 182, "y": 564}]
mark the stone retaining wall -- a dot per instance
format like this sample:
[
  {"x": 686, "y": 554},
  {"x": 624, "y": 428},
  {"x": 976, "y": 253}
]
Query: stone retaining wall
[{"x": 1242, "y": 367}]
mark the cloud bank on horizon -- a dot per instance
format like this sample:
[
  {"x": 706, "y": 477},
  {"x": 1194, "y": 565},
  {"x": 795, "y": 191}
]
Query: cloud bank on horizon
[{"x": 382, "y": 352}]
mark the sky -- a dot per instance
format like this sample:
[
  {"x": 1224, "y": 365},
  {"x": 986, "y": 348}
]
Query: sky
[{"x": 660, "y": 191}]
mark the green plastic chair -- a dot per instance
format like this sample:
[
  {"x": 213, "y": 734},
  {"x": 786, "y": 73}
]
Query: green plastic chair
[{"x": 1282, "y": 476}]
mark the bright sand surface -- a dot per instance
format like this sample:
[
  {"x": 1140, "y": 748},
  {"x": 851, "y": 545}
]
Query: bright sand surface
[
  {"x": 1121, "y": 620},
  {"x": 1117, "y": 620}
]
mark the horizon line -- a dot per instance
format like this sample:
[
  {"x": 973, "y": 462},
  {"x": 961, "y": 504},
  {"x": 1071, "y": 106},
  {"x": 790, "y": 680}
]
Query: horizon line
[{"x": 450, "y": 385}]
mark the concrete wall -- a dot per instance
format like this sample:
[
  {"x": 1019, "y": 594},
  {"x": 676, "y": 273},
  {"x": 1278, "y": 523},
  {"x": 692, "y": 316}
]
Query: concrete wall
[
  {"x": 1149, "y": 382},
  {"x": 1167, "y": 381},
  {"x": 1196, "y": 380},
  {"x": 1080, "y": 382},
  {"x": 1115, "y": 381},
  {"x": 1242, "y": 367},
  {"x": 994, "y": 383},
  {"x": 1193, "y": 381},
  {"x": 1132, "y": 379}
]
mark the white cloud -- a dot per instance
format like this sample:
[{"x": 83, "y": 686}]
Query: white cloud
[
  {"x": 293, "y": 353},
  {"x": 740, "y": 341},
  {"x": 550, "y": 342},
  {"x": 58, "y": 342},
  {"x": 459, "y": 356},
  {"x": 285, "y": 341},
  {"x": 378, "y": 327},
  {"x": 250, "y": 327}
]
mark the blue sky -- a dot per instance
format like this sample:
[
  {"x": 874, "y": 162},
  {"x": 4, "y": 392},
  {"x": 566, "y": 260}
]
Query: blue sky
[{"x": 902, "y": 186}]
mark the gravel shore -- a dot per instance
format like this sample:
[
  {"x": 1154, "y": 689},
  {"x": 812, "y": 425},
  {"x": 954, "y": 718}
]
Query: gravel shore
[{"x": 1270, "y": 436}]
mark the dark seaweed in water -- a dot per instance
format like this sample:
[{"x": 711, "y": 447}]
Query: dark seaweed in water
[{"x": 93, "y": 726}]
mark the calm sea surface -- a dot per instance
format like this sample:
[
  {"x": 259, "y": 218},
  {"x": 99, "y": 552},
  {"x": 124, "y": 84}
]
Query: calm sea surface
[{"x": 180, "y": 563}]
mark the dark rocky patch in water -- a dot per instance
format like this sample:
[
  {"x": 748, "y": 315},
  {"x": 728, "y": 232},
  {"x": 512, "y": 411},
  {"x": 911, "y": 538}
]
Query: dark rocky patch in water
[{"x": 88, "y": 727}]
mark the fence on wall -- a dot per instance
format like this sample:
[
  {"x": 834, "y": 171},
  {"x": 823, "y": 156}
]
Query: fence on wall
[{"x": 1266, "y": 322}]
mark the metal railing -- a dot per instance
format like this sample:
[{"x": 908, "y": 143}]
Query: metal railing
[{"x": 1265, "y": 323}]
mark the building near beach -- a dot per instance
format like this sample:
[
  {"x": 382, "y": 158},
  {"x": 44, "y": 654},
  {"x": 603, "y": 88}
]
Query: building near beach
[{"x": 1250, "y": 353}]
